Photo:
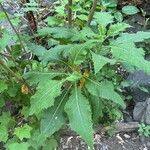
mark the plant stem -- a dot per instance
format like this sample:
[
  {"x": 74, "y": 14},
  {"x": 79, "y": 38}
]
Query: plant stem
[
  {"x": 11, "y": 72},
  {"x": 92, "y": 12},
  {"x": 20, "y": 79},
  {"x": 18, "y": 35},
  {"x": 70, "y": 12}
]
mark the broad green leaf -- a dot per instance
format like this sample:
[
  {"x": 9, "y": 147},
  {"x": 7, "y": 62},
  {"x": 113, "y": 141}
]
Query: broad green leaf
[
  {"x": 130, "y": 10},
  {"x": 104, "y": 89},
  {"x": 3, "y": 86},
  {"x": 115, "y": 29},
  {"x": 34, "y": 77},
  {"x": 71, "y": 34},
  {"x": 100, "y": 61},
  {"x": 75, "y": 51},
  {"x": 126, "y": 38},
  {"x": 23, "y": 132},
  {"x": 3, "y": 133},
  {"x": 53, "y": 118},
  {"x": 129, "y": 55},
  {"x": 45, "y": 95},
  {"x": 103, "y": 18},
  {"x": 79, "y": 113},
  {"x": 18, "y": 146},
  {"x": 58, "y": 32}
]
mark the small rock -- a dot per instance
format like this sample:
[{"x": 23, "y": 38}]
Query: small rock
[
  {"x": 142, "y": 139},
  {"x": 148, "y": 144},
  {"x": 127, "y": 136}
]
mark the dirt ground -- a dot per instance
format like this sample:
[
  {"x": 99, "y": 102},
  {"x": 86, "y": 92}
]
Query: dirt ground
[{"x": 122, "y": 141}]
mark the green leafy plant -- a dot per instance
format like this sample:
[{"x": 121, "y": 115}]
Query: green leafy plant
[
  {"x": 130, "y": 10},
  {"x": 72, "y": 82},
  {"x": 144, "y": 130}
]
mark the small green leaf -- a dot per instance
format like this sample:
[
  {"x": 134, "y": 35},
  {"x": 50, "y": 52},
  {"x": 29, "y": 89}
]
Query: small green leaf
[
  {"x": 130, "y": 10},
  {"x": 115, "y": 29},
  {"x": 6, "y": 119},
  {"x": 3, "y": 86},
  {"x": 104, "y": 90},
  {"x": 5, "y": 40},
  {"x": 118, "y": 16},
  {"x": 100, "y": 61},
  {"x": 45, "y": 95},
  {"x": 103, "y": 18},
  {"x": 2, "y": 16},
  {"x": 23, "y": 132},
  {"x": 18, "y": 146},
  {"x": 79, "y": 113},
  {"x": 53, "y": 21},
  {"x": 143, "y": 89}
]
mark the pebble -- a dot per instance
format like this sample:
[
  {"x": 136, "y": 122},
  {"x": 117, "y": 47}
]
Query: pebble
[
  {"x": 127, "y": 136},
  {"x": 148, "y": 144}
]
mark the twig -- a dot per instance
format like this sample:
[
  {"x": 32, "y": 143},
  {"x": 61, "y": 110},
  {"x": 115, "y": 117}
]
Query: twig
[
  {"x": 70, "y": 12},
  {"x": 18, "y": 35},
  {"x": 90, "y": 17}
]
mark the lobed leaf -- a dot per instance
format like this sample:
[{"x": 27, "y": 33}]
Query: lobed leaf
[
  {"x": 3, "y": 133},
  {"x": 23, "y": 132},
  {"x": 53, "y": 119},
  {"x": 131, "y": 56},
  {"x": 34, "y": 77},
  {"x": 103, "y": 18},
  {"x": 45, "y": 95},
  {"x": 126, "y": 38},
  {"x": 79, "y": 113},
  {"x": 104, "y": 89},
  {"x": 115, "y": 29}
]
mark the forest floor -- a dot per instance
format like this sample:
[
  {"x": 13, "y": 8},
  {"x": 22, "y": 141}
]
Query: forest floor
[{"x": 122, "y": 141}]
